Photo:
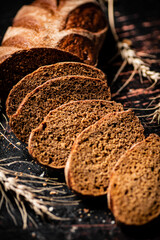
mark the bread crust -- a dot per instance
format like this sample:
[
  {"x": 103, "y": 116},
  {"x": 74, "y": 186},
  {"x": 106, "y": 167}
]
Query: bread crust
[
  {"x": 16, "y": 63},
  {"x": 64, "y": 25},
  {"x": 51, "y": 142},
  {"x": 44, "y": 73},
  {"x": 143, "y": 202},
  {"x": 47, "y": 24},
  {"x": 48, "y": 96},
  {"x": 86, "y": 155}
]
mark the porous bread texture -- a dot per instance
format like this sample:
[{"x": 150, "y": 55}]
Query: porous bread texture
[
  {"x": 51, "y": 142},
  {"x": 17, "y": 63},
  {"x": 134, "y": 189},
  {"x": 44, "y": 73},
  {"x": 97, "y": 149},
  {"x": 50, "y": 95}
]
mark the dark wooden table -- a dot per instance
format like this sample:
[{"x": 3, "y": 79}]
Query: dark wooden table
[{"x": 138, "y": 21}]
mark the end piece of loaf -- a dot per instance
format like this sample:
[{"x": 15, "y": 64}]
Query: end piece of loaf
[
  {"x": 51, "y": 142},
  {"x": 44, "y": 73},
  {"x": 134, "y": 189},
  {"x": 97, "y": 149},
  {"x": 78, "y": 27},
  {"x": 16, "y": 63},
  {"x": 50, "y": 95}
]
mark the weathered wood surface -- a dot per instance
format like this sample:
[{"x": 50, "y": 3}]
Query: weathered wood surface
[{"x": 138, "y": 21}]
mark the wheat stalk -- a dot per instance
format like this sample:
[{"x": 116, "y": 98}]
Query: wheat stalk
[
  {"x": 22, "y": 194},
  {"x": 130, "y": 56},
  {"x": 155, "y": 115},
  {"x": 5, "y": 129},
  {"x": 41, "y": 194}
]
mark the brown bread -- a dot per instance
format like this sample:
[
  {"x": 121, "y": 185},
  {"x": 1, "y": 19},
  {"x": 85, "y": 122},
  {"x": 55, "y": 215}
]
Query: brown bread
[
  {"x": 97, "y": 149},
  {"x": 44, "y": 73},
  {"x": 78, "y": 27},
  {"x": 51, "y": 142},
  {"x": 50, "y": 95},
  {"x": 134, "y": 189},
  {"x": 18, "y": 63}
]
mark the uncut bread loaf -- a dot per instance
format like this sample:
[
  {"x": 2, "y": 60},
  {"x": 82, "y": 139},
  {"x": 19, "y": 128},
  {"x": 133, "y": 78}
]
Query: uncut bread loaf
[
  {"x": 51, "y": 142},
  {"x": 134, "y": 189},
  {"x": 44, "y": 73},
  {"x": 50, "y": 95},
  {"x": 97, "y": 149},
  {"x": 78, "y": 27}
]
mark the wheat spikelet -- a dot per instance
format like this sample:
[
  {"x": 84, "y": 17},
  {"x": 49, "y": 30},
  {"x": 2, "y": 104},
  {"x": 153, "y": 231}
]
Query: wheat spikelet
[
  {"x": 130, "y": 57},
  {"x": 155, "y": 114},
  {"x": 23, "y": 193},
  {"x": 4, "y": 128},
  {"x": 41, "y": 194}
]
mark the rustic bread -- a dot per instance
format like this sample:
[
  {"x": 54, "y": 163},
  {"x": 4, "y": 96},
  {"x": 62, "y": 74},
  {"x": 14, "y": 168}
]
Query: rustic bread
[
  {"x": 97, "y": 149},
  {"x": 51, "y": 142},
  {"x": 134, "y": 189},
  {"x": 50, "y": 95},
  {"x": 78, "y": 27},
  {"x": 44, "y": 73},
  {"x": 16, "y": 63}
]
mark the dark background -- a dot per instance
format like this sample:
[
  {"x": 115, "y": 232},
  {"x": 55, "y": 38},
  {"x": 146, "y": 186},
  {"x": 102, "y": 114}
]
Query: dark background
[{"x": 138, "y": 21}]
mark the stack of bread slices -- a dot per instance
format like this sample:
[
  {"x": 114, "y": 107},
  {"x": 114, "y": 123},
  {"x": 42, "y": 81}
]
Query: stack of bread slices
[{"x": 64, "y": 112}]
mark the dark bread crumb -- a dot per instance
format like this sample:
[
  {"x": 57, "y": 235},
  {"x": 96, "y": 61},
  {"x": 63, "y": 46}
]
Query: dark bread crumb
[
  {"x": 43, "y": 74},
  {"x": 134, "y": 190},
  {"x": 51, "y": 142},
  {"x": 50, "y": 95},
  {"x": 97, "y": 149},
  {"x": 16, "y": 63}
]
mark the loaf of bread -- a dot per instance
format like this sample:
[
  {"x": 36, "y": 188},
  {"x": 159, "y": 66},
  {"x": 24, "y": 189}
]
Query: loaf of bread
[
  {"x": 97, "y": 149},
  {"x": 44, "y": 73},
  {"x": 78, "y": 27},
  {"x": 134, "y": 189},
  {"x": 50, "y": 95},
  {"x": 51, "y": 142}
]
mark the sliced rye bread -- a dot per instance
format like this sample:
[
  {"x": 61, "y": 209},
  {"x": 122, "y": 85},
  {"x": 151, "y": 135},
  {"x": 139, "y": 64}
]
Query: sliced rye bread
[
  {"x": 39, "y": 29},
  {"x": 97, "y": 149},
  {"x": 17, "y": 63},
  {"x": 134, "y": 189},
  {"x": 50, "y": 95},
  {"x": 43, "y": 74},
  {"x": 51, "y": 142}
]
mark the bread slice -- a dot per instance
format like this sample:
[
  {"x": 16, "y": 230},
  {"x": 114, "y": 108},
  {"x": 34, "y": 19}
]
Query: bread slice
[
  {"x": 51, "y": 142},
  {"x": 134, "y": 189},
  {"x": 97, "y": 149},
  {"x": 44, "y": 73},
  {"x": 50, "y": 95},
  {"x": 16, "y": 63}
]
